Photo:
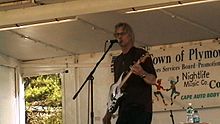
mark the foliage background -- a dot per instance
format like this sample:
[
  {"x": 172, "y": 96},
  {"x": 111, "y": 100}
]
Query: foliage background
[{"x": 43, "y": 99}]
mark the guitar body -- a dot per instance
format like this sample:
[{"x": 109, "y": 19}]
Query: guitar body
[{"x": 114, "y": 94}]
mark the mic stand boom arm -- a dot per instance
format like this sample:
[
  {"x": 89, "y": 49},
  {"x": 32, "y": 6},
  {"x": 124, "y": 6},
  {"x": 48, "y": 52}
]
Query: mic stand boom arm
[{"x": 91, "y": 78}]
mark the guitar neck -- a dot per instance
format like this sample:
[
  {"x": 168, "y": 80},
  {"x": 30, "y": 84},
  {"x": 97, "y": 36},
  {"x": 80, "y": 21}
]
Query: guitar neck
[
  {"x": 141, "y": 60},
  {"x": 125, "y": 79}
]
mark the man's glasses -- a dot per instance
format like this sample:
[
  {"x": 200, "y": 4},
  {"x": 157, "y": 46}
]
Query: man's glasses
[{"x": 120, "y": 34}]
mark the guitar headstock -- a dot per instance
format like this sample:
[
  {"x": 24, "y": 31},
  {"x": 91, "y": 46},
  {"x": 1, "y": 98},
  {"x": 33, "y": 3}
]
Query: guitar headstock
[{"x": 143, "y": 58}]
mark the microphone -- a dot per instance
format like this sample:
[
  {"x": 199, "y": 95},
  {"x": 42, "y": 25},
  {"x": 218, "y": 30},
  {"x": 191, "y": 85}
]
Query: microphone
[{"x": 113, "y": 41}]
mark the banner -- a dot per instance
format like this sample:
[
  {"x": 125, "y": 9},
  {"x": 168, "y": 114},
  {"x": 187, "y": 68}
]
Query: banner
[{"x": 187, "y": 73}]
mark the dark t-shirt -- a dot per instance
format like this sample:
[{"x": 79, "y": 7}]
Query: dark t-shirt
[{"x": 137, "y": 93}]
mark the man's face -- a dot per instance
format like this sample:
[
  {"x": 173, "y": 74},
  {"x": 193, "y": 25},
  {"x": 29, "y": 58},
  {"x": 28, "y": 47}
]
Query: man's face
[{"x": 123, "y": 37}]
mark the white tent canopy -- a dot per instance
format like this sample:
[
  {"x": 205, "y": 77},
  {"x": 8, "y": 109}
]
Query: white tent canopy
[
  {"x": 78, "y": 31},
  {"x": 93, "y": 23}
]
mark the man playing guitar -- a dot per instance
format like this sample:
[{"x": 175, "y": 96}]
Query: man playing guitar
[{"x": 135, "y": 105}]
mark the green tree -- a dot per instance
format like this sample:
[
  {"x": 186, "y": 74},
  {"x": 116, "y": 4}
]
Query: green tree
[{"x": 43, "y": 99}]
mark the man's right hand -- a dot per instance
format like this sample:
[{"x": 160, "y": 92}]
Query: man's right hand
[{"x": 107, "y": 118}]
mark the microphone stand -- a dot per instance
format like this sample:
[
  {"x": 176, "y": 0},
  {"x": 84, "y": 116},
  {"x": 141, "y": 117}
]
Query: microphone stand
[
  {"x": 171, "y": 115},
  {"x": 91, "y": 78}
]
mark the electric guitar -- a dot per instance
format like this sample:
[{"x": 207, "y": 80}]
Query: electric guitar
[{"x": 115, "y": 91}]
